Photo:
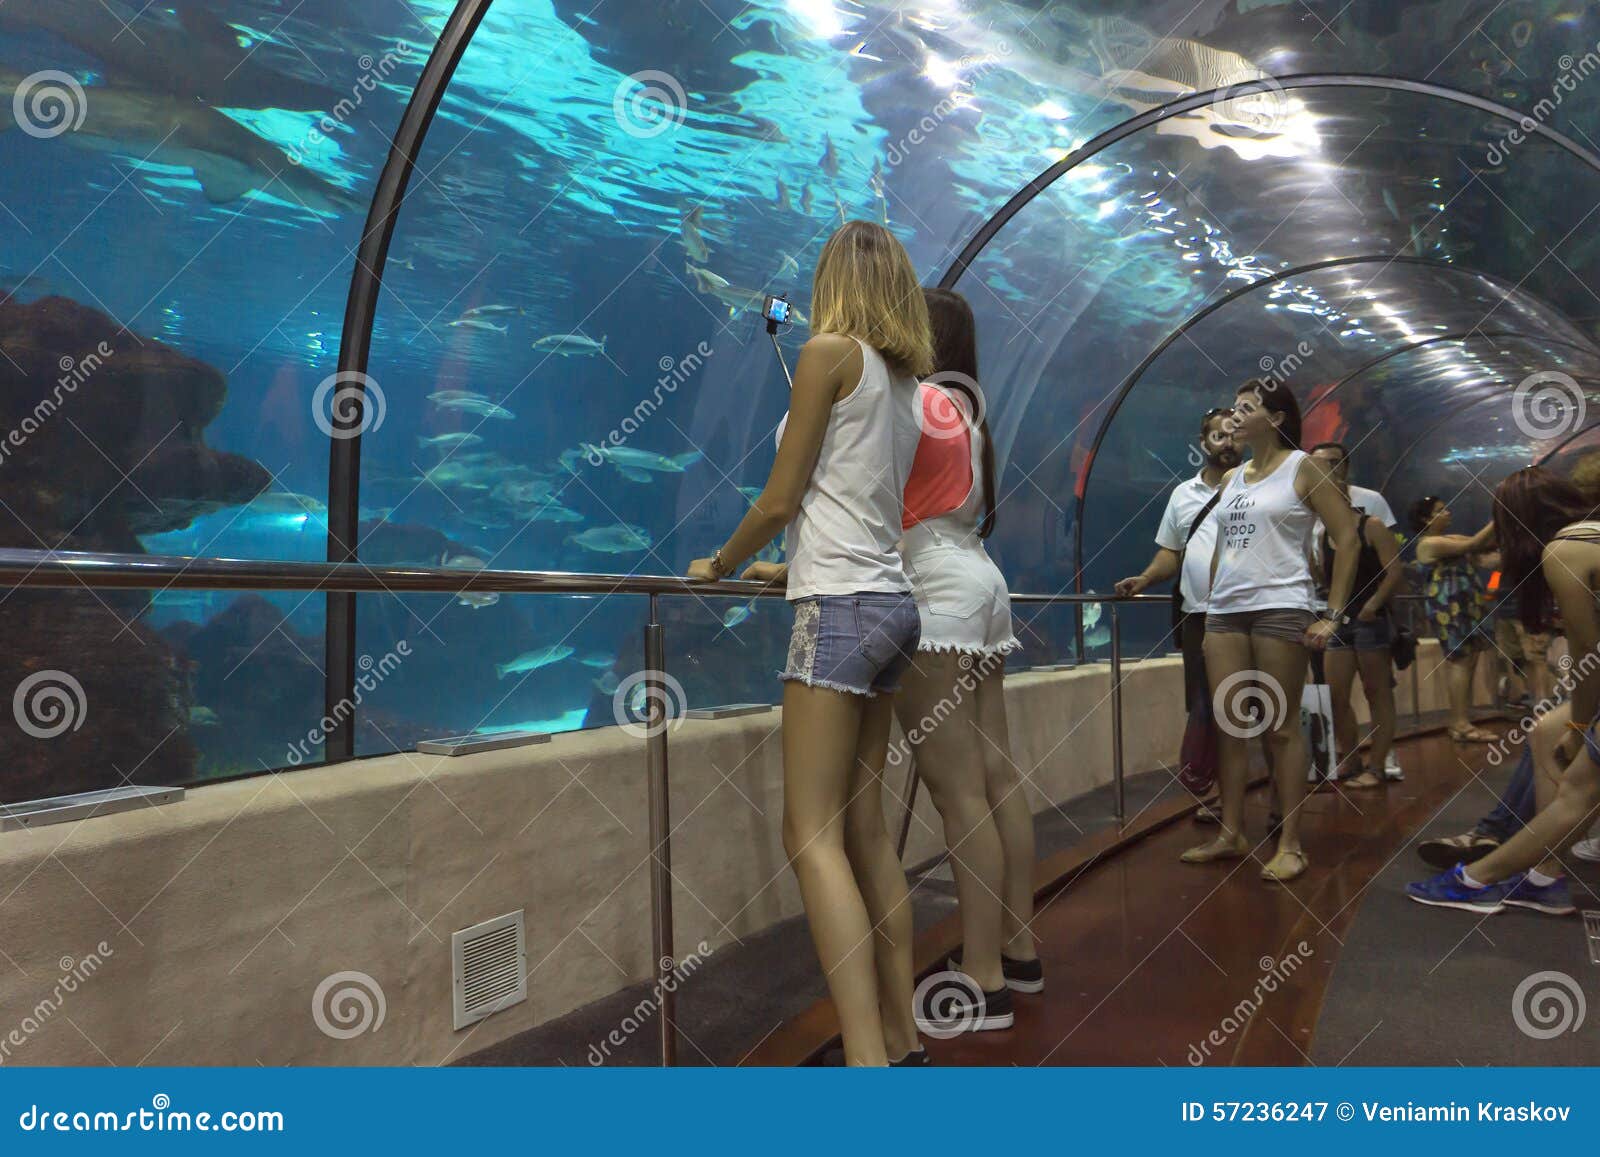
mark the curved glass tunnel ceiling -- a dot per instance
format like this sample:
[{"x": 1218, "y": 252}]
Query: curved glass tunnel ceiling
[{"x": 637, "y": 176}]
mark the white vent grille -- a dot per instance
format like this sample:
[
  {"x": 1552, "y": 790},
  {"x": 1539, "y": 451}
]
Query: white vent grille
[{"x": 489, "y": 968}]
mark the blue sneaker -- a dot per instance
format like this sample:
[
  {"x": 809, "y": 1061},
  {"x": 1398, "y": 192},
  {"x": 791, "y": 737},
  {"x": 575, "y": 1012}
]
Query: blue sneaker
[
  {"x": 1448, "y": 890},
  {"x": 1554, "y": 899}
]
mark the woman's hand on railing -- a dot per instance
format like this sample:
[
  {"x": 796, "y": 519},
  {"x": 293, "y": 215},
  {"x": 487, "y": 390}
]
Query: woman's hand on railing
[
  {"x": 1128, "y": 587},
  {"x": 704, "y": 570},
  {"x": 771, "y": 573}
]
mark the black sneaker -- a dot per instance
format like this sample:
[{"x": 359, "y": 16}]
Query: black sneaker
[
  {"x": 1020, "y": 975},
  {"x": 915, "y": 1059},
  {"x": 953, "y": 1011}
]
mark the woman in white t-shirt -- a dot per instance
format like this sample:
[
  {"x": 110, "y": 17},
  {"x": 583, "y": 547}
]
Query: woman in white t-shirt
[
  {"x": 838, "y": 485},
  {"x": 1260, "y": 619}
]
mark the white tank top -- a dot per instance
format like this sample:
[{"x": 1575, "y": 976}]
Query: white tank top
[
  {"x": 1264, "y": 529},
  {"x": 844, "y": 538}
]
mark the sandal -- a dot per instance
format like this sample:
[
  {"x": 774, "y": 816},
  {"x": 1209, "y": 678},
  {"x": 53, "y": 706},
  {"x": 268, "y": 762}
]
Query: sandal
[
  {"x": 1218, "y": 849},
  {"x": 1364, "y": 781},
  {"x": 1471, "y": 734},
  {"x": 1278, "y": 872}
]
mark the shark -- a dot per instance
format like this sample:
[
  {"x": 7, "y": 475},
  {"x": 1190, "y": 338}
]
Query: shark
[
  {"x": 226, "y": 158},
  {"x": 198, "y": 57}
]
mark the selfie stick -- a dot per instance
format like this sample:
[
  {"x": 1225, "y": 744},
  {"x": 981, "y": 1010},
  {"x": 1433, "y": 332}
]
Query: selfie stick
[{"x": 772, "y": 332}]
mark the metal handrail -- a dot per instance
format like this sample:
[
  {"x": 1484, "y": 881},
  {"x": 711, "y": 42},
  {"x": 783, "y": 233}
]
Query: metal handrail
[{"x": 38, "y": 569}]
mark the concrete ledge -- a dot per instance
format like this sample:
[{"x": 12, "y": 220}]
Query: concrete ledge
[{"x": 211, "y": 923}]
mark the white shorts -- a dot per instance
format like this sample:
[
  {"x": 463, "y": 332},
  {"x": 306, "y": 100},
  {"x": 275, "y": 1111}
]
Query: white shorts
[{"x": 961, "y": 597}]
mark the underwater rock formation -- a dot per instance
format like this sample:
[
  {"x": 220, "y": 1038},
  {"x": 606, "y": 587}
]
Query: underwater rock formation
[{"x": 101, "y": 440}]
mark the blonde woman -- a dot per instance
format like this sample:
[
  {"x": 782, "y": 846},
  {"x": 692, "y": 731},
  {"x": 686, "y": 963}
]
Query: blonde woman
[{"x": 837, "y": 484}]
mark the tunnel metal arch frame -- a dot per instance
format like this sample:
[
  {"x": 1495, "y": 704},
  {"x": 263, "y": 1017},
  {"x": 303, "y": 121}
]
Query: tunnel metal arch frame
[{"x": 388, "y": 199}]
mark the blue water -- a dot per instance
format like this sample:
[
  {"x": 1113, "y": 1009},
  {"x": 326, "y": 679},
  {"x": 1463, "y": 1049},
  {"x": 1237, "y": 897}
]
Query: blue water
[{"x": 598, "y": 205}]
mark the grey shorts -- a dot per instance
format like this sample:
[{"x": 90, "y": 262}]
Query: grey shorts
[
  {"x": 860, "y": 643},
  {"x": 1280, "y": 623}
]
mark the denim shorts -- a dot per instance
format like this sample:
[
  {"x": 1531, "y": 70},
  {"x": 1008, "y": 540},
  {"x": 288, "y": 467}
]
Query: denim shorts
[
  {"x": 1377, "y": 635},
  {"x": 860, "y": 643}
]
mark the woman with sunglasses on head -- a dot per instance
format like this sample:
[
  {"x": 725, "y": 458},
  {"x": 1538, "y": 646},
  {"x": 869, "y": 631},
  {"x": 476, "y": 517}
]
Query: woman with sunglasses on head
[
  {"x": 952, "y": 703},
  {"x": 838, "y": 485},
  {"x": 1456, "y": 606},
  {"x": 1549, "y": 547},
  {"x": 1260, "y": 624}
]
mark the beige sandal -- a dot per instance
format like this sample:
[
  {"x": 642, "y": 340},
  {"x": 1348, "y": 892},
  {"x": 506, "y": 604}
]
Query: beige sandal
[
  {"x": 1472, "y": 735},
  {"x": 1272, "y": 873},
  {"x": 1217, "y": 850}
]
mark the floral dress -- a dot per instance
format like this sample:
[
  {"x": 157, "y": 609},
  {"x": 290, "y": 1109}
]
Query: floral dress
[{"x": 1456, "y": 606}]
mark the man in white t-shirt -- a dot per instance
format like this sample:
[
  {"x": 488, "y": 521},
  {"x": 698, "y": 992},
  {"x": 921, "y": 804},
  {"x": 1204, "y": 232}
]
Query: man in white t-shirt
[
  {"x": 1190, "y": 561},
  {"x": 1337, "y": 457}
]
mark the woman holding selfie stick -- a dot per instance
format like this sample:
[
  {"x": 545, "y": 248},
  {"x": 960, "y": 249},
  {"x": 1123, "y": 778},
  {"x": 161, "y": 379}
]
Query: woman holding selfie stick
[{"x": 837, "y": 484}]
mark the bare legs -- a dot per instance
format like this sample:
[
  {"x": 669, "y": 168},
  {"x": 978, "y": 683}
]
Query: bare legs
[
  {"x": 1459, "y": 673},
  {"x": 856, "y": 912},
  {"x": 938, "y": 711},
  {"x": 1013, "y": 816},
  {"x": 1561, "y": 821},
  {"x": 1341, "y": 666},
  {"x": 1277, "y": 669}
]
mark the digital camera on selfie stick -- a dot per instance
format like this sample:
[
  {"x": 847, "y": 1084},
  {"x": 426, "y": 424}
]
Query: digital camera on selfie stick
[{"x": 778, "y": 312}]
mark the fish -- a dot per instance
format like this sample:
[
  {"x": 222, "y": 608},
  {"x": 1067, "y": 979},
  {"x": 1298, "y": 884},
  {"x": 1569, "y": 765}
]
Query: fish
[
  {"x": 598, "y": 660},
  {"x": 451, "y": 441},
  {"x": 477, "y": 600},
  {"x": 568, "y": 460},
  {"x": 694, "y": 242},
  {"x": 571, "y": 345},
  {"x": 607, "y": 684},
  {"x": 829, "y": 161},
  {"x": 487, "y": 310},
  {"x": 483, "y": 407},
  {"x": 403, "y": 263},
  {"x": 633, "y": 475},
  {"x": 226, "y": 158},
  {"x": 479, "y": 324},
  {"x": 523, "y": 492},
  {"x": 618, "y": 539},
  {"x": 626, "y": 457},
  {"x": 555, "y": 512},
  {"x": 786, "y": 264},
  {"x": 197, "y": 58},
  {"x": 735, "y": 298},
  {"x": 203, "y": 717},
  {"x": 1098, "y": 637},
  {"x": 1091, "y": 615},
  {"x": 462, "y": 561},
  {"x": 781, "y": 197},
  {"x": 751, "y": 492},
  {"x": 805, "y": 199},
  {"x": 736, "y": 615},
  {"x": 533, "y": 660},
  {"x": 286, "y": 502},
  {"x": 452, "y": 395}
]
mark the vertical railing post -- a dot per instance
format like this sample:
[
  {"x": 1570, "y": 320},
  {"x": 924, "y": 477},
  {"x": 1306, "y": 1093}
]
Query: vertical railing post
[
  {"x": 657, "y": 699},
  {"x": 1116, "y": 710}
]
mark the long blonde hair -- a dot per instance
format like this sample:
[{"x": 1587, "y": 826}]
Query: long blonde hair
[{"x": 866, "y": 287}]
